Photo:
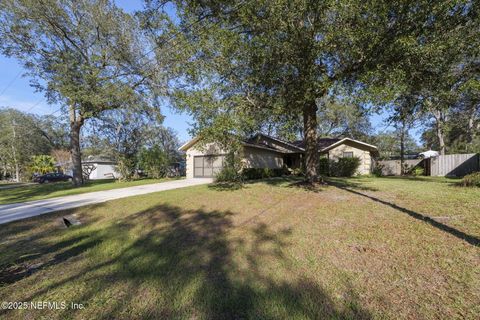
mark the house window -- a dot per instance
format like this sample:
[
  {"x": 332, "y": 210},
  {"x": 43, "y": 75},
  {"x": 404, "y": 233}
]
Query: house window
[{"x": 348, "y": 154}]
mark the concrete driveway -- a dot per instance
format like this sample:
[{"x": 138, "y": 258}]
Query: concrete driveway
[{"x": 23, "y": 210}]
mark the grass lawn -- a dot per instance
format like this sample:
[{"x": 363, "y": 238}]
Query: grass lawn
[
  {"x": 58, "y": 189},
  {"x": 383, "y": 248}
]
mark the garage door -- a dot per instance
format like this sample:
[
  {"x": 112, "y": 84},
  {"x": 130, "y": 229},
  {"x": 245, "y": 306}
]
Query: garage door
[{"x": 207, "y": 166}]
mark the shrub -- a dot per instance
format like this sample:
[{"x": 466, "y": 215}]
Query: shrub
[
  {"x": 228, "y": 174},
  {"x": 417, "y": 171},
  {"x": 344, "y": 167},
  {"x": 471, "y": 180},
  {"x": 262, "y": 173},
  {"x": 378, "y": 170},
  {"x": 324, "y": 167},
  {"x": 154, "y": 162},
  {"x": 298, "y": 172},
  {"x": 43, "y": 164},
  {"x": 126, "y": 167}
]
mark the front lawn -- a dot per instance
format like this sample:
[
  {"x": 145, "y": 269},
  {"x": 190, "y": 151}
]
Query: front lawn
[
  {"x": 51, "y": 190},
  {"x": 359, "y": 248}
]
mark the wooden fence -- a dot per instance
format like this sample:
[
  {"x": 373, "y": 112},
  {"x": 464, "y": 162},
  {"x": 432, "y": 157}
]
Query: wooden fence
[
  {"x": 393, "y": 167},
  {"x": 456, "y": 165}
]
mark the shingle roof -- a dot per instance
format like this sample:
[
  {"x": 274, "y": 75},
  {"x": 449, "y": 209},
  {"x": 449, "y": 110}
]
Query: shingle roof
[{"x": 322, "y": 142}]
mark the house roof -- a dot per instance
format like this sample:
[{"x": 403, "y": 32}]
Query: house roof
[
  {"x": 324, "y": 144},
  {"x": 187, "y": 145},
  {"x": 288, "y": 144},
  {"x": 247, "y": 142},
  {"x": 367, "y": 146}
]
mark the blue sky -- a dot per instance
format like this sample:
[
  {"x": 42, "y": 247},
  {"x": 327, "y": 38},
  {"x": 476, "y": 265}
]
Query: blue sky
[{"x": 16, "y": 92}]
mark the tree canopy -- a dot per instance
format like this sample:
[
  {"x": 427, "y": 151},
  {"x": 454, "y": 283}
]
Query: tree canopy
[
  {"x": 250, "y": 64},
  {"x": 89, "y": 56}
]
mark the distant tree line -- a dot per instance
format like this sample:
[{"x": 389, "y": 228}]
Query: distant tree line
[
  {"x": 136, "y": 140},
  {"x": 23, "y": 136}
]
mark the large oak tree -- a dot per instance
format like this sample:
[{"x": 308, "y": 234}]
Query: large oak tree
[
  {"x": 86, "y": 55},
  {"x": 249, "y": 63}
]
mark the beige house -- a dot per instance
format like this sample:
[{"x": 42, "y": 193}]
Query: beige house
[{"x": 263, "y": 151}]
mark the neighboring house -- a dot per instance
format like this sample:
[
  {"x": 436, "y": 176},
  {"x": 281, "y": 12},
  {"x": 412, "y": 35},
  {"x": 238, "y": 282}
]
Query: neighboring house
[
  {"x": 263, "y": 151},
  {"x": 97, "y": 168},
  {"x": 429, "y": 154}
]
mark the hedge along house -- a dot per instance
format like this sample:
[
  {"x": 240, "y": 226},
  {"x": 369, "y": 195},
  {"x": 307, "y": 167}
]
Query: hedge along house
[{"x": 263, "y": 151}]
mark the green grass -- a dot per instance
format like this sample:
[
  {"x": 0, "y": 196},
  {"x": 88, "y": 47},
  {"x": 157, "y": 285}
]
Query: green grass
[
  {"x": 51, "y": 190},
  {"x": 360, "y": 248}
]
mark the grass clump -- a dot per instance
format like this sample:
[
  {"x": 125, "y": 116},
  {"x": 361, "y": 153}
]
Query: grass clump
[{"x": 471, "y": 180}]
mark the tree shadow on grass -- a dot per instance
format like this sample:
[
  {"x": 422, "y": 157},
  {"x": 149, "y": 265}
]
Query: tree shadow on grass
[
  {"x": 195, "y": 264},
  {"x": 226, "y": 186},
  {"x": 35, "y": 253},
  {"x": 291, "y": 182},
  {"x": 349, "y": 183},
  {"x": 455, "y": 232}
]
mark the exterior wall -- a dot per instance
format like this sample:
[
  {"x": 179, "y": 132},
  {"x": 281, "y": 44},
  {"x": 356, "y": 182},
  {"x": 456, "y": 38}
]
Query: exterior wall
[
  {"x": 366, "y": 161},
  {"x": 208, "y": 149},
  {"x": 103, "y": 171},
  {"x": 261, "y": 158},
  {"x": 251, "y": 158}
]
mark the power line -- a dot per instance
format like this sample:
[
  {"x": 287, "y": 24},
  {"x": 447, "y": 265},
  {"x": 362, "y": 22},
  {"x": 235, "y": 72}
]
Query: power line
[
  {"x": 35, "y": 104},
  {"x": 11, "y": 82}
]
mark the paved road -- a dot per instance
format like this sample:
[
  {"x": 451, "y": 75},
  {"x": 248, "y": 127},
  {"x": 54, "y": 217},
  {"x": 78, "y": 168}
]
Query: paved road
[{"x": 22, "y": 210}]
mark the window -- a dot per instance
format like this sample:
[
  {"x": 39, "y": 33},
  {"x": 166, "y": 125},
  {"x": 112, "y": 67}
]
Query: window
[{"x": 348, "y": 154}]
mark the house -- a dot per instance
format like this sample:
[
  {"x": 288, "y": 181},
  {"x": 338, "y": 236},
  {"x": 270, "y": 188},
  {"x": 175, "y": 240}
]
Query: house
[
  {"x": 429, "y": 154},
  {"x": 97, "y": 168},
  {"x": 263, "y": 151}
]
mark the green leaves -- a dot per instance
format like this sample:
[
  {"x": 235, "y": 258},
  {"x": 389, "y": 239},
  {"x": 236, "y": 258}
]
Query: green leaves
[
  {"x": 86, "y": 54},
  {"x": 43, "y": 164}
]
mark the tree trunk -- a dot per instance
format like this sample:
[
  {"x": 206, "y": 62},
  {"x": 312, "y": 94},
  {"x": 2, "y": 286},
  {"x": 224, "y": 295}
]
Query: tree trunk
[
  {"x": 441, "y": 140},
  {"x": 76, "y": 122},
  {"x": 439, "y": 119},
  {"x": 471, "y": 127},
  {"x": 311, "y": 143},
  {"x": 402, "y": 150}
]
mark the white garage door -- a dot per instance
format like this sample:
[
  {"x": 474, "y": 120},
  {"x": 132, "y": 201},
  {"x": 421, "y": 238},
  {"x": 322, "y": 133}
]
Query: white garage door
[{"x": 207, "y": 166}]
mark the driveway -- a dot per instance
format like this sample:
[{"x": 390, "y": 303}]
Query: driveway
[{"x": 23, "y": 210}]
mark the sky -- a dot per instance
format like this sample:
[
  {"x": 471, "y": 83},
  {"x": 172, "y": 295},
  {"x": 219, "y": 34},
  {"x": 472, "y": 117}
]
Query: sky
[{"x": 16, "y": 92}]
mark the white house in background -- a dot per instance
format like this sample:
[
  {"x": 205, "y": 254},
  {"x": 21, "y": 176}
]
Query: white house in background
[
  {"x": 98, "y": 168},
  {"x": 263, "y": 151},
  {"x": 429, "y": 154}
]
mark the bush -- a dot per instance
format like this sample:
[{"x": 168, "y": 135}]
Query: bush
[
  {"x": 262, "y": 173},
  {"x": 324, "y": 168},
  {"x": 298, "y": 172},
  {"x": 228, "y": 174},
  {"x": 471, "y": 180},
  {"x": 43, "y": 164},
  {"x": 378, "y": 170},
  {"x": 417, "y": 171},
  {"x": 126, "y": 167},
  {"x": 154, "y": 162},
  {"x": 344, "y": 167}
]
